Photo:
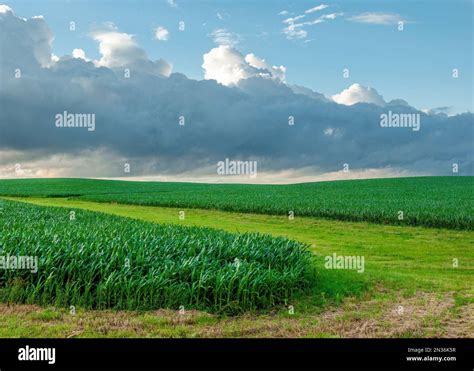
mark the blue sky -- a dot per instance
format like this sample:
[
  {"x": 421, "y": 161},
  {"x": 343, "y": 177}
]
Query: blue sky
[
  {"x": 414, "y": 64},
  {"x": 244, "y": 94}
]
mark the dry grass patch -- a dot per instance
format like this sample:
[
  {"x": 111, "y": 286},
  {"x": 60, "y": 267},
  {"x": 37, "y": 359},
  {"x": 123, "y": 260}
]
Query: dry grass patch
[{"x": 387, "y": 314}]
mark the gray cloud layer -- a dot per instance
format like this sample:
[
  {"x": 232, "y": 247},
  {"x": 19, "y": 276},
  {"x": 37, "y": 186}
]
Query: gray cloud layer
[{"x": 137, "y": 118}]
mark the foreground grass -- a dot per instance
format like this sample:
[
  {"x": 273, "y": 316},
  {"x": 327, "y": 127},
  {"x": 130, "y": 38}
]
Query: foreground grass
[
  {"x": 405, "y": 267},
  {"x": 100, "y": 261},
  {"x": 428, "y": 201}
]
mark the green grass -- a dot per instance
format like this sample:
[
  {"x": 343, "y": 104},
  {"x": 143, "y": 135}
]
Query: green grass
[
  {"x": 406, "y": 263},
  {"x": 427, "y": 201},
  {"x": 411, "y": 258},
  {"x": 95, "y": 260},
  {"x": 402, "y": 263}
]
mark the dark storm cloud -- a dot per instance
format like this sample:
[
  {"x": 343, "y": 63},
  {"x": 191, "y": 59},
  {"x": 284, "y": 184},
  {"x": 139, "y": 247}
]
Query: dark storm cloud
[{"x": 138, "y": 118}]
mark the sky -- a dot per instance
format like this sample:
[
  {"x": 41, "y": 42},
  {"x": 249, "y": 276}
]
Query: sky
[
  {"x": 335, "y": 67},
  {"x": 411, "y": 64}
]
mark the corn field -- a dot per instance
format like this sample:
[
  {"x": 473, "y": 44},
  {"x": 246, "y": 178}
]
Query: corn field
[
  {"x": 446, "y": 202},
  {"x": 94, "y": 260}
]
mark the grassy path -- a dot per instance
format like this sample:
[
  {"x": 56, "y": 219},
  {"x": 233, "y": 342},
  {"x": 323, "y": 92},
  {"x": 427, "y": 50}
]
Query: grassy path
[{"x": 410, "y": 267}]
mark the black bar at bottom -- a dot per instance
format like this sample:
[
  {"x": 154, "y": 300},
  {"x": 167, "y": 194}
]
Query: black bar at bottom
[{"x": 135, "y": 354}]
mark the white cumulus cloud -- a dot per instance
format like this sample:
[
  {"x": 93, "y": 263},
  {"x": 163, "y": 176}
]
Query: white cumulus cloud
[
  {"x": 117, "y": 49},
  {"x": 120, "y": 50},
  {"x": 228, "y": 66},
  {"x": 357, "y": 93},
  {"x": 268, "y": 70},
  {"x": 79, "y": 53},
  {"x": 5, "y": 9}
]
